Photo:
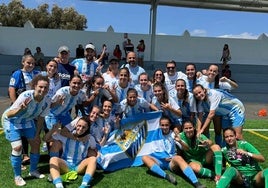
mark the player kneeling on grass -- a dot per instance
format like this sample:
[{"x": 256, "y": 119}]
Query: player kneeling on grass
[
  {"x": 173, "y": 162},
  {"x": 242, "y": 158},
  {"x": 198, "y": 151},
  {"x": 78, "y": 153}
]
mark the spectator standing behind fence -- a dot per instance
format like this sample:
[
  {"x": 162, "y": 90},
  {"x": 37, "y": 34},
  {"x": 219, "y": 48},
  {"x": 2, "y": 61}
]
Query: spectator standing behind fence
[
  {"x": 80, "y": 51},
  {"x": 117, "y": 52},
  {"x": 27, "y": 51},
  {"x": 129, "y": 47},
  {"x": 105, "y": 54},
  {"x": 39, "y": 58},
  {"x": 140, "y": 50},
  {"x": 226, "y": 55},
  {"x": 124, "y": 46}
]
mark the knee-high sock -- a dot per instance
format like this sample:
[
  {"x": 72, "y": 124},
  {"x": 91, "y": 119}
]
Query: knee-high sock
[
  {"x": 189, "y": 173},
  {"x": 57, "y": 180},
  {"x": 86, "y": 179},
  {"x": 265, "y": 175},
  {"x": 157, "y": 170},
  {"x": 218, "y": 162},
  {"x": 205, "y": 172},
  {"x": 227, "y": 177},
  {"x": 34, "y": 159},
  {"x": 16, "y": 164}
]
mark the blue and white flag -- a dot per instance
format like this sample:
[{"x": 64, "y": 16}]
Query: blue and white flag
[{"x": 138, "y": 136}]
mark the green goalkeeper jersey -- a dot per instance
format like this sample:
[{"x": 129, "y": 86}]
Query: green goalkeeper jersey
[
  {"x": 243, "y": 163},
  {"x": 196, "y": 151}
]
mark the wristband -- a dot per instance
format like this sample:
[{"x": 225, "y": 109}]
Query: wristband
[{"x": 249, "y": 154}]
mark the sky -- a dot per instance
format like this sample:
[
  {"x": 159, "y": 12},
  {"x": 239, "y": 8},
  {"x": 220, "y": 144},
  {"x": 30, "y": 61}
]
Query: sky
[{"x": 135, "y": 18}]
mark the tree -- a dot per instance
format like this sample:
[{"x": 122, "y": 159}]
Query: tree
[
  {"x": 40, "y": 17},
  {"x": 15, "y": 14}
]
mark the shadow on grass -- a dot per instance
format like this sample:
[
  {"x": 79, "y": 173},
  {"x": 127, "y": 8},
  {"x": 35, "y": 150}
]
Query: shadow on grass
[
  {"x": 98, "y": 176},
  {"x": 177, "y": 173}
]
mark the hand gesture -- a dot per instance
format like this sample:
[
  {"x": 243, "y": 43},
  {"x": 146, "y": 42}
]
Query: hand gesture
[
  {"x": 106, "y": 86},
  {"x": 99, "y": 68},
  {"x": 165, "y": 106},
  {"x": 223, "y": 79},
  {"x": 241, "y": 152},
  {"x": 96, "y": 92},
  {"x": 203, "y": 143},
  {"x": 60, "y": 99},
  {"x": 177, "y": 137},
  {"x": 198, "y": 134},
  {"x": 106, "y": 130},
  {"x": 25, "y": 103}
]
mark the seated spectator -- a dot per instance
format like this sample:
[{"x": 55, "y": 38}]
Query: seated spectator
[
  {"x": 39, "y": 58},
  {"x": 226, "y": 72}
]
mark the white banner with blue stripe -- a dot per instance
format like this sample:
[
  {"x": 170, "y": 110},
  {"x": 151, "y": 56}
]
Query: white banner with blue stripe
[{"x": 138, "y": 136}]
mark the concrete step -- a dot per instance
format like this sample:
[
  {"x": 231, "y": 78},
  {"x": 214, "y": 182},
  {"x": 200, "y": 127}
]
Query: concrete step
[
  {"x": 252, "y": 88},
  {"x": 250, "y": 77},
  {"x": 252, "y": 97}
]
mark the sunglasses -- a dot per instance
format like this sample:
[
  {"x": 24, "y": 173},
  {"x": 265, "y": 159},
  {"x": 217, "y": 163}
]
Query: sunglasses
[
  {"x": 170, "y": 67},
  {"x": 158, "y": 74}
]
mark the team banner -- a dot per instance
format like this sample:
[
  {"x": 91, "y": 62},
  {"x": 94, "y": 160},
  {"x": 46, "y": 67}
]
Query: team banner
[{"x": 138, "y": 136}]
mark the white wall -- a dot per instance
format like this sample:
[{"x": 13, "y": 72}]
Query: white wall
[{"x": 183, "y": 48}]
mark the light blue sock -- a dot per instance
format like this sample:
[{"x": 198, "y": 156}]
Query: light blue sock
[
  {"x": 86, "y": 179},
  {"x": 218, "y": 139},
  {"x": 189, "y": 173},
  {"x": 157, "y": 170},
  {"x": 57, "y": 180},
  {"x": 16, "y": 164},
  {"x": 34, "y": 159}
]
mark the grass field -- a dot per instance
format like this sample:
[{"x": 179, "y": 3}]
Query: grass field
[{"x": 126, "y": 178}]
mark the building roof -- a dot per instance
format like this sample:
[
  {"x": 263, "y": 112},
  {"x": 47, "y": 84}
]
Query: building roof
[{"x": 237, "y": 5}]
